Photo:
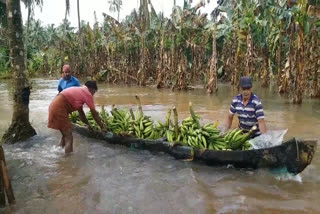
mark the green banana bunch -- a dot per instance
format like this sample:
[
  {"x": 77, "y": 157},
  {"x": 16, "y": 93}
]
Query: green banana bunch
[
  {"x": 105, "y": 117},
  {"x": 162, "y": 128},
  {"x": 215, "y": 140},
  {"x": 143, "y": 127},
  {"x": 236, "y": 140},
  {"x": 172, "y": 136},
  {"x": 246, "y": 145},
  {"x": 218, "y": 144},
  {"x": 92, "y": 121},
  {"x": 193, "y": 134},
  {"x": 189, "y": 133},
  {"x": 120, "y": 121},
  {"x": 74, "y": 117}
]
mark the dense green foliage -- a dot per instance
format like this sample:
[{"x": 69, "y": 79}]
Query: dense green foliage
[{"x": 271, "y": 40}]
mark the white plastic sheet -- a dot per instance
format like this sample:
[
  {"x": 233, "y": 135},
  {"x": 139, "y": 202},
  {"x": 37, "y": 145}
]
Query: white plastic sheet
[{"x": 269, "y": 139}]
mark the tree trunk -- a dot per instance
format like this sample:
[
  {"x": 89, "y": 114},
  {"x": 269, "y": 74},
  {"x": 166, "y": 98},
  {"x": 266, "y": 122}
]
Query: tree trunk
[
  {"x": 265, "y": 76},
  {"x": 118, "y": 15},
  {"x": 27, "y": 38},
  {"x": 299, "y": 78},
  {"x": 181, "y": 74},
  {"x": 279, "y": 59},
  {"x": 5, "y": 178},
  {"x": 141, "y": 73},
  {"x": 286, "y": 78},
  {"x": 315, "y": 64},
  {"x": 145, "y": 17},
  {"x": 315, "y": 91},
  {"x": 227, "y": 57},
  {"x": 20, "y": 128},
  {"x": 235, "y": 73},
  {"x": 2, "y": 194},
  {"x": 239, "y": 64},
  {"x": 249, "y": 55},
  {"x": 174, "y": 59},
  {"x": 160, "y": 67},
  {"x": 212, "y": 85},
  {"x": 78, "y": 8}
]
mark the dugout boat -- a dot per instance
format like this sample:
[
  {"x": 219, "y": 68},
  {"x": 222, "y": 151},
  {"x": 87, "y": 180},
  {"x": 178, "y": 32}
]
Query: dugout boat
[{"x": 294, "y": 155}]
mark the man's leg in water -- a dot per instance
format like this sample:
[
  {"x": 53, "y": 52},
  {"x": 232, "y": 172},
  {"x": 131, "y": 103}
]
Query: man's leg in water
[
  {"x": 62, "y": 141},
  {"x": 68, "y": 140}
]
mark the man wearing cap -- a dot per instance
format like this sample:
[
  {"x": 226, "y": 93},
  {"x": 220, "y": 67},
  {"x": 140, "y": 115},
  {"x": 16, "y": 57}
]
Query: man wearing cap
[
  {"x": 248, "y": 106},
  {"x": 67, "y": 80}
]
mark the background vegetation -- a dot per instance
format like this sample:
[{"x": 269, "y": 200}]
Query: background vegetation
[{"x": 271, "y": 40}]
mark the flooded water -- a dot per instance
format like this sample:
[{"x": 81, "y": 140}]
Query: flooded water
[{"x": 102, "y": 178}]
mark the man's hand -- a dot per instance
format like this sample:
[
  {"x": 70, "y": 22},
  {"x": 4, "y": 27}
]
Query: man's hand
[
  {"x": 104, "y": 130},
  {"x": 224, "y": 129},
  {"x": 262, "y": 126},
  {"x": 89, "y": 127}
]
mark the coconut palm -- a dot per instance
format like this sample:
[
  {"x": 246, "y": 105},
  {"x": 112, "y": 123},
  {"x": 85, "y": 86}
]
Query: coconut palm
[{"x": 20, "y": 128}]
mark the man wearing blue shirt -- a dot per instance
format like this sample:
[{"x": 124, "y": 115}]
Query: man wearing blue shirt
[
  {"x": 67, "y": 80},
  {"x": 248, "y": 107}
]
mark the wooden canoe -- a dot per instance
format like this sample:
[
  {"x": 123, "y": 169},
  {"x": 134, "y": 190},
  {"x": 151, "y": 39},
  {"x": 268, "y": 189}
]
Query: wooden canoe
[{"x": 294, "y": 155}]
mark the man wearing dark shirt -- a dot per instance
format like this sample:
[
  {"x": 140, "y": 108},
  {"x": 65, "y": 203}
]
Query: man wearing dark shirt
[{"x": 67, "y": 80}]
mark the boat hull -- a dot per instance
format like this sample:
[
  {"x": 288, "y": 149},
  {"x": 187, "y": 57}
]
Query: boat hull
[{"x": 295, "y": 155}]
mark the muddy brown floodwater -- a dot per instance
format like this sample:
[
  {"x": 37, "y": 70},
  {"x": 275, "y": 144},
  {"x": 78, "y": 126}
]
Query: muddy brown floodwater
[{"x": 102, "y": 178}]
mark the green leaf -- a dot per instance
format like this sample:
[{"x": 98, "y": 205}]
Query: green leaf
[{"x": 306, "y": 26}]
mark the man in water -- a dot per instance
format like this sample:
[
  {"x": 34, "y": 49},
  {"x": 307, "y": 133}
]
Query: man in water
[
  {"x": 69, "y": 100},
  {"x": 248, "y": 106},
  {"x": 67, "y": 80}
]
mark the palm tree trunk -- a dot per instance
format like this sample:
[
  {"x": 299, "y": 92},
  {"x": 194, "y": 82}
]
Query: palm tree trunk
[
  {"x": 212, "y": 85},
  {"x": 20, "y": 128},
  {"x": 27, "y": 38},
  {"x": 78, "y": 8},
  {"x": 65, "y": 24},
  {"x": 118, "y": 14}
]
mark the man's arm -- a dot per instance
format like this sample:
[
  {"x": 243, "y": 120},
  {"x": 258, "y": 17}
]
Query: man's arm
[
  {"x": 229, "y": 121},
  {"x": 262, "y": 126},
  {"x": 83, "y": 118},
  {"x": 260, "y": 117},
  {"x": 59, "y": 86},
  {"x": 76, "y": 82},
  {"x": 232, "y": 111},
  {"x": 97, "y": 118}
]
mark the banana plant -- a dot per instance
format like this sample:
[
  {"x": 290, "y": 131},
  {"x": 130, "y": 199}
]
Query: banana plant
[{"x": 302, "y": 21}]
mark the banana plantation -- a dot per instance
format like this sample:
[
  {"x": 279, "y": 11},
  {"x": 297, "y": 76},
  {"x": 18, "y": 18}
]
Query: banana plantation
[{"x": 274, "y": 41}]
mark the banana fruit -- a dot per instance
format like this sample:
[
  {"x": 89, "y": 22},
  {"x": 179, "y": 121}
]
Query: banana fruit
[{"x": 190, "y": 132}]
